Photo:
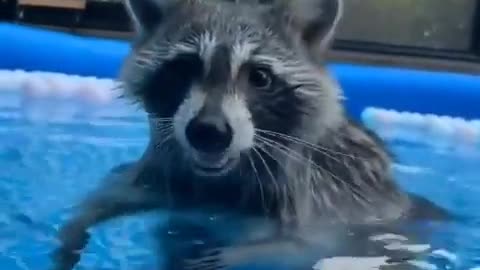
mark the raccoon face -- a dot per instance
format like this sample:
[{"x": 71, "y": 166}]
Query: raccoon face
[{"x": 220, "y": 74}]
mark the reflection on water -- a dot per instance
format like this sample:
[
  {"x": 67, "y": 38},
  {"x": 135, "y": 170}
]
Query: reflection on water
[{"x": 322, "y": 246}]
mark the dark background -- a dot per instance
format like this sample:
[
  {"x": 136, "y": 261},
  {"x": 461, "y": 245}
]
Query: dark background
[{"x": 441, "y": 34}]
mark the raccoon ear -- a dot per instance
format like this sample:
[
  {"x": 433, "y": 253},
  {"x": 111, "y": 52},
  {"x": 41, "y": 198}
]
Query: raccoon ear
[
  {"x": 311, "y": 22},
  {"x": 147, "y": 14}
]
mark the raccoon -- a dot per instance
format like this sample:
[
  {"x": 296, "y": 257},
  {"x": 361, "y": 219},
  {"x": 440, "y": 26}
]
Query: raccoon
[{"x": 244, "y": 118}]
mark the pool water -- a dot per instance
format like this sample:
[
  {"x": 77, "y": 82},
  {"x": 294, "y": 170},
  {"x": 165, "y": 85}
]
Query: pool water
[{"x": 54, "y": 152}]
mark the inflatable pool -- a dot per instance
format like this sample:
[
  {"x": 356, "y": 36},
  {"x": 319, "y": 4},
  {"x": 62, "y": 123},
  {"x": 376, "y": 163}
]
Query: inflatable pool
[
  {"x": 440, "y": 93},
  {"x": 62, "y": 128}
]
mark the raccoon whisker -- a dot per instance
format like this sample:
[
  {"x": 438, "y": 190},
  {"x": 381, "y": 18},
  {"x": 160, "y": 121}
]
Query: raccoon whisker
[
  {"x": 167, "y": 134},
  {"x": 150, "y": 55},
  {"x": 305, "y": 143},
  {"x": 276, "y": 186},
  {"x": 164, "y": 123},
  {"x": 289, "y": 153},
  {"x": 294, "y": 155},
  {"x": 162, "y": 128},
  {"x": 283, "y": 148},
  {"x": 260, "y": 186},
  {"x": 161, "y": 124},
  {"x": 144, "y": 62},
  {"x": 164, "y": 133},
  {"x": 164, "y": 119},
  {"x": 118, "y": 86},
  {"x": 267, "y": 168},
  {"x": 162, "y": 144},
  {"x": 323, "y": 150},
  {"x": 131, "y": 101}
]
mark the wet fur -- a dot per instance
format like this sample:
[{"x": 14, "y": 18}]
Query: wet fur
[{"x": 310, "y": 166}]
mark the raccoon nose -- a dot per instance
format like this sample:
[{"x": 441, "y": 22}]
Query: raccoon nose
[{"x": 209, "y": 133}]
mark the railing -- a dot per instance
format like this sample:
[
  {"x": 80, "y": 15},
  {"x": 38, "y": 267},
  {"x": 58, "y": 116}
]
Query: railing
[{"x": 68, "y": 4}]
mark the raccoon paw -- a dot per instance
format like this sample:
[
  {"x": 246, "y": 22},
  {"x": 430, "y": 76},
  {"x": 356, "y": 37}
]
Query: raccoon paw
[
  {"x": 73, "y": 238},
  {"x": 210, "y": 260}
]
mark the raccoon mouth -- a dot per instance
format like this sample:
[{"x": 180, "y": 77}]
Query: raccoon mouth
[{"x": 212, "y": 164}]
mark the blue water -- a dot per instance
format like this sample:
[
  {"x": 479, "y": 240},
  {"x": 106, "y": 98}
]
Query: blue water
[{"x": 52, "y": 153}]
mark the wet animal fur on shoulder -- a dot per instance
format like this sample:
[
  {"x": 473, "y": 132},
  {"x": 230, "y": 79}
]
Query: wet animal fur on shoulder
[{"x": 243, "y": 117}]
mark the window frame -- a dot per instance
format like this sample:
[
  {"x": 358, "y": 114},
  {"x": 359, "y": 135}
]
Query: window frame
[
  {"x": 476, "y": 30},
  {"x": 472, "y": 54}
]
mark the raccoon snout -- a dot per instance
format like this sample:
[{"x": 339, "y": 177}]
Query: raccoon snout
[{"x": 209, "y": 133}]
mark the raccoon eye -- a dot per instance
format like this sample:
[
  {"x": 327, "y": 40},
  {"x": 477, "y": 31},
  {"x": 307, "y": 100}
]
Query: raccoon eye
[{"x": 260, "y": 78}]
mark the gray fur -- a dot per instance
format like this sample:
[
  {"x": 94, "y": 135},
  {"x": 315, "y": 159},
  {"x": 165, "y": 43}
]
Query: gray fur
[{"x": 308, "y": 163}]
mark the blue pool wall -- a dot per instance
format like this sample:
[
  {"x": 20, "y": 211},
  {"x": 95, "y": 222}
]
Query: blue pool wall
[{"x": 401, "y": 89}]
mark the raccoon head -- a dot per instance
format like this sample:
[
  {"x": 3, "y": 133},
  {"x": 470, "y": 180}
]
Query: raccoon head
[{"x": 219, "y": 74}]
